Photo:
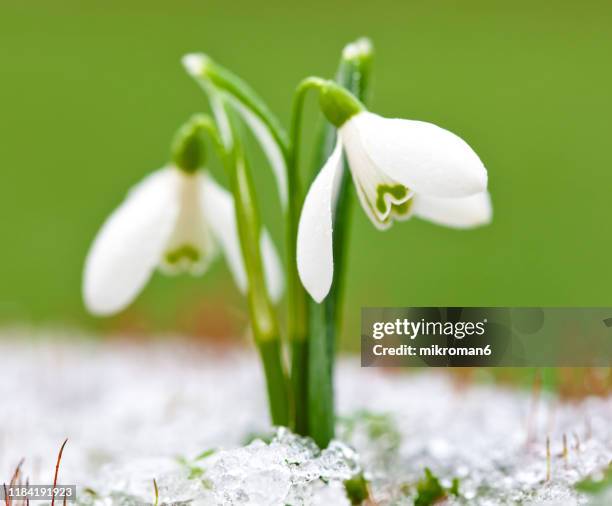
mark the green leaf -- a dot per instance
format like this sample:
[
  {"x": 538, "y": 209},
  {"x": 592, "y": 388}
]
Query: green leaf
[
  {"x": 195, "y": 472},
  {"x": 230, "y": 84},
  {"x": 205, "y": 454},
  {"x": 357, "y": 489},
  {"x": 596, "y": 485},
  {"x": 454, "y": 487},
  {"x": 429, "y": 490}
]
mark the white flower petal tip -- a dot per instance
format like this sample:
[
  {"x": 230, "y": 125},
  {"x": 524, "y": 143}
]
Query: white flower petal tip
[
  {"x": 130, "y": 243},
  {"x": 424, "y": 157},
  {"x": 315, "y": 254},
  {"x": 194, "y": 63},
  {"x": 467, "y": 212},
  {"x": 360, "y": 48}
]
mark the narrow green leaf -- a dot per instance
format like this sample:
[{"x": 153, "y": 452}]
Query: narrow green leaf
[{"x": 266, "y": 330}]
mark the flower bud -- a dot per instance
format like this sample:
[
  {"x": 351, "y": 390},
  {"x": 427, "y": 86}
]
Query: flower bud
[
  {"x": 338, "y": 104},
  {"x": 188, "y": 150}
]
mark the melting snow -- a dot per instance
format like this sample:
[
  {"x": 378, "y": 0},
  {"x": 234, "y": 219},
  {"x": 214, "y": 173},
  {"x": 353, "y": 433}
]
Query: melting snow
[{"x": 134, "y": 413}]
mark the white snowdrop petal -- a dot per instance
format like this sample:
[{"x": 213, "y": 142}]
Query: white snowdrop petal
[
  {"x": 220, "y": 214},
  {"x": 466, "y": 212},
  {"x": 422, "y": 156},
  {"x": 382, "y": 198},
  {"x": 218, "y": 209},
  {"x": 315, "y": 255},
  {"x": 273, "y": 269},
  {"x": 191, "y": 247},
  {"x": 130, "y": 243},
  {"x": 269, "y": 146}
]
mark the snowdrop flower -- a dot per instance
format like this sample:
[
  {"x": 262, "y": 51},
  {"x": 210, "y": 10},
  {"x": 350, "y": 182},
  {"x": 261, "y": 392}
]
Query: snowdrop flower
[
  {"x": 178, "y": 219},
  {"x": 400, "y": 168}
]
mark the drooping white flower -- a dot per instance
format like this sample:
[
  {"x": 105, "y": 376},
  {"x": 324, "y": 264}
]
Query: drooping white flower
[
  {"x": 175, "y": 221},
  {"x": 400, "y": 168}
]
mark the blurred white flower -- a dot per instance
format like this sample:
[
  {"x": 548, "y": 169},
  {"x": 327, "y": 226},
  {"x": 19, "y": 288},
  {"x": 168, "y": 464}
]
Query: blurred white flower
[
  {"x": 177, "y": 221},
  {"x": 400, "y": 168}
]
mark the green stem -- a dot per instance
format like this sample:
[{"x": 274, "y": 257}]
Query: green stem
[
  {"x": 270, "y": 352},
  {"x": 326, "y": 317},
  {"x": 321, "y": 410},
  {"x": 297, "y": 320},
  {"x": 266, "y": 331},
  {"x": 265, "y": 327},
  {"x": 353, "y": 74}
]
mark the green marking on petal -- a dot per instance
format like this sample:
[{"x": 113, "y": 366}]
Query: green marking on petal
[
  {"x": 401, "y": 209},
  {"x": 393, "y": 201},
  {"x": 185, "y": 252},
  {"x": 398, "y": 192}
]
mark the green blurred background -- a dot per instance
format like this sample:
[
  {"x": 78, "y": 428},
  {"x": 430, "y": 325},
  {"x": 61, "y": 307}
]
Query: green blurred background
[{"x": 91, "y": 93}]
